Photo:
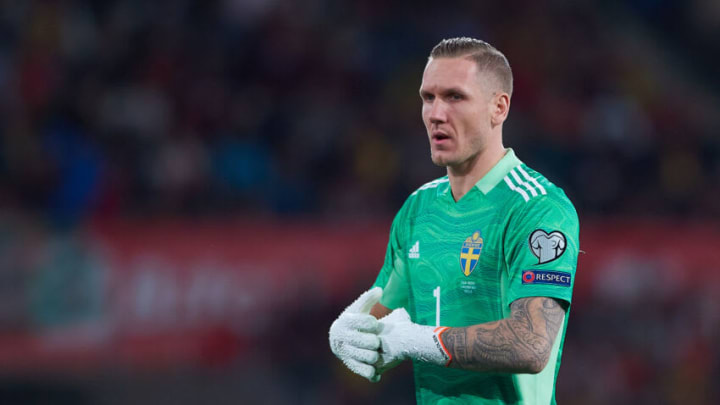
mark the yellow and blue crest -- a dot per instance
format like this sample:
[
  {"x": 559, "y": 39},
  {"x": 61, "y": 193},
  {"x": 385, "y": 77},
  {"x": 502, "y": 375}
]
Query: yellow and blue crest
[{"x": 470, "y": 252}]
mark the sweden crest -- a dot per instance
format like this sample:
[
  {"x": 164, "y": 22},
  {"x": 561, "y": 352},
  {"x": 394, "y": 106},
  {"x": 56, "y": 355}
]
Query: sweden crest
[{"x": 470, "y": 252}]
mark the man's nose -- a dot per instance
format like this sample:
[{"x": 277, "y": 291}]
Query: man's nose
[{"x": 437, "y": 112}]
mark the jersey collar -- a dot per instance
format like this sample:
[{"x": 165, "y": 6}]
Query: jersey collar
[
  {"x": 491, "y": 178},
  {"x": 498, "y": 172}
]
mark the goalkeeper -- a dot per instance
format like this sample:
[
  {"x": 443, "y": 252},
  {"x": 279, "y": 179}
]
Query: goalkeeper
[{"x": 477, "y": 281}]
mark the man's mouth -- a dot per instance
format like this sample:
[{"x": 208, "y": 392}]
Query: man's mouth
[{"x": 439, "y": 137}]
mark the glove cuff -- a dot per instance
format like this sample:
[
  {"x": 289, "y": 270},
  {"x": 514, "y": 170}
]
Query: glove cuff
[
  {"x": 429, "y": 347},
  {"x": 437, "y": 338}
]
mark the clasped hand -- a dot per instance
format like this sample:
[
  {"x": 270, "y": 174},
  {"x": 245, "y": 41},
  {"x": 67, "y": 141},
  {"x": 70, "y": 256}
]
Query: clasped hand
[{"x": 369, "y": 347}]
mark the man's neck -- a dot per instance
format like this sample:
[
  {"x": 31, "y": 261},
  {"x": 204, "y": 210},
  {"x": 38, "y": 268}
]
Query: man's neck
[{"x": 464, "y": 177}]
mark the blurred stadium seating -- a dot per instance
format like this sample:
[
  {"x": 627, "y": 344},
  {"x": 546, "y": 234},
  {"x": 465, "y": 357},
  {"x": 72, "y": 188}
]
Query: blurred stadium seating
[{"x": 191, "y": 191}]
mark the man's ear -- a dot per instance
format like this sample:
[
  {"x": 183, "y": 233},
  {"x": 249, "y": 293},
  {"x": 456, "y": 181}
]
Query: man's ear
[{"x": 499, "y": 108}]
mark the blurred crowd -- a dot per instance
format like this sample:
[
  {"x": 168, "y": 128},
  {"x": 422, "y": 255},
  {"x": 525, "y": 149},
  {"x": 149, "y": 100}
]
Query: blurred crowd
[
  {"x": 643, "y": 336},
  {"x": 278, "y": 109},
  {"x": 117, "y": 108}
]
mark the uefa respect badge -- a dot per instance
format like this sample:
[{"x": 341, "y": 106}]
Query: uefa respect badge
[{"x": 558, "y": 278}]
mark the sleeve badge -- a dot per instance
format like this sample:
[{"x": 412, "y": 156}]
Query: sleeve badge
[{"x": 547, "y": 246}]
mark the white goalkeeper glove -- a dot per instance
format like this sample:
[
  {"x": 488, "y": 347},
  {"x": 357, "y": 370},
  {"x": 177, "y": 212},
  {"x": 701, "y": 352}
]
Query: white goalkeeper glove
[
  {"x": 353, "y": 336},
  {"x": 401, "y": 339}
]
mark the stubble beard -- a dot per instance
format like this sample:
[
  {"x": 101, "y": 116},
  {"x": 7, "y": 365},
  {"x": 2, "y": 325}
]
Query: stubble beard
[
  {"x": 458, "y": 158},
  {"x": 437, "y": 160}
]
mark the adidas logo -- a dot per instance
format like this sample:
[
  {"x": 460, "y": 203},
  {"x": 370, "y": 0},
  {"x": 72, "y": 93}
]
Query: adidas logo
[{"x": 414, "y": 252}]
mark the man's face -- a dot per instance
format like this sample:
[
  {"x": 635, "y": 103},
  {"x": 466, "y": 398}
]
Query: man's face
[{"x": 455, "y": 110}]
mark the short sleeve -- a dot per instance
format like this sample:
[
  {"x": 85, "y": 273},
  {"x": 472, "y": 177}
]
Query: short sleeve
[
  {"x": 392, "y": 277},
  {"x": 541, "y": 250}
]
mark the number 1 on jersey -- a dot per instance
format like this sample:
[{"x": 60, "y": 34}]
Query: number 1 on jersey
[{"x": 436, "y": 294}]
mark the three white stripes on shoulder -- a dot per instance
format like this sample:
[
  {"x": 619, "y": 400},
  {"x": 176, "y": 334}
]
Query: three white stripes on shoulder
[{"x": 523, "y": 184}]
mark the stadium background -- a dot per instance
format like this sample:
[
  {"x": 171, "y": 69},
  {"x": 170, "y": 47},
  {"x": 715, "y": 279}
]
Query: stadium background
[{"x": 191, "y": 191}]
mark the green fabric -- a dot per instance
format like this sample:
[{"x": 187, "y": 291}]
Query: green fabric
[
  {"x": 435, "y": 241},
  {"x": 500, "y": 170}
]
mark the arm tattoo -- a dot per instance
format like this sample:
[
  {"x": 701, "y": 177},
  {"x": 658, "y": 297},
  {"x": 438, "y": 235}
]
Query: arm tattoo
[{"x": 520, "y": 343}]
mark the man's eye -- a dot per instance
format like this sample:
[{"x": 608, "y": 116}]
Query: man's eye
[{"x": 456, "y": 96}]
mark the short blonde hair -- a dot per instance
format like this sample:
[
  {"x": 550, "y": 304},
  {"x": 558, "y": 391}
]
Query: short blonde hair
[{"x": 486, "y": 56}]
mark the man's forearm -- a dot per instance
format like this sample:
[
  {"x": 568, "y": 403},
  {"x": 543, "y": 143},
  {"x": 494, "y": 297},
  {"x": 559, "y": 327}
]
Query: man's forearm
[{"x": 519, "y": 344}]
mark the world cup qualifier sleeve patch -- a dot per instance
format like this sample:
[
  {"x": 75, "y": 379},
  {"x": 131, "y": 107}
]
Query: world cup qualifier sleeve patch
[{"x": 547, "y": 246}]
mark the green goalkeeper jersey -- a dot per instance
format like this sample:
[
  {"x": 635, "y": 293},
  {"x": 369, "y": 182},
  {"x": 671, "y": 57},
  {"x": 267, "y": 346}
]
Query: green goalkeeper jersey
[{"x": 461, "y": 263}]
